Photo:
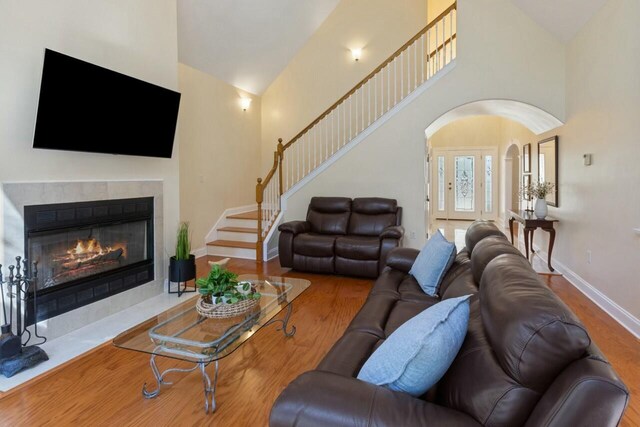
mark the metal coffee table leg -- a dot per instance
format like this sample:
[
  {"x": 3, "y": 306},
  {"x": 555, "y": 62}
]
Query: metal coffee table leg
[
  {"x": 160, "y": 378},
  {"x": 284, "y": 322},
  {"x": 209, "y": 389},
  {"x": 209, "y": 386}
]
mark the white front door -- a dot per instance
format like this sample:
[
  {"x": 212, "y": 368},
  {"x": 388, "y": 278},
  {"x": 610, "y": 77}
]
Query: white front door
[{"x": 465, "y": 183}]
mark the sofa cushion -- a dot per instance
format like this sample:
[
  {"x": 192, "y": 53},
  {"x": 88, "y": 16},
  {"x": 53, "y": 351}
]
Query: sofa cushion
[
  {"x": 486, "y": 250},
  {"x": 312, "y": 244},
  {"x": 418, "y": 353},
  {"x": 432, "y": 262},
  {"x": 358, "y": 247},
  {"x": 329, "y": 215},
  {"x": 477, "y": 385},
  {"x": 371, "y": 215},
  {"x": 478, "y": 230},
  {"x": 536, "y": 341}
]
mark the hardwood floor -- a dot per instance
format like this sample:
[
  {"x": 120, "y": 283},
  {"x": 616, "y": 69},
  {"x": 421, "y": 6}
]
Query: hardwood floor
[{"x": 103, "y": 386}]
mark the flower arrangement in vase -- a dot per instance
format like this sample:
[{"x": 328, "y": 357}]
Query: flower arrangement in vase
[{"x": 540, "y": 191}]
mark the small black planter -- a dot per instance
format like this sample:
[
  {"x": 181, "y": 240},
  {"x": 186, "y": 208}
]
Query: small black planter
[{"x": 182, "y": 271}]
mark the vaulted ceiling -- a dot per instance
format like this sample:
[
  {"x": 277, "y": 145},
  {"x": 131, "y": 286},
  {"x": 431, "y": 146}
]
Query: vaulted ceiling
[
  {"x": 562, "y": 18},
  {"x": 246, "y": 43}
]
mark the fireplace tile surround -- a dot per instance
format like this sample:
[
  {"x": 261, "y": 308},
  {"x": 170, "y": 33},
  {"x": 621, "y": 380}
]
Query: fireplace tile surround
[{"x": 18, "y": 195}]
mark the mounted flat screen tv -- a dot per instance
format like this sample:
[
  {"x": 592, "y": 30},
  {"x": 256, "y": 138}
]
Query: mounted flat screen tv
[{"x": 84, "y": 107}]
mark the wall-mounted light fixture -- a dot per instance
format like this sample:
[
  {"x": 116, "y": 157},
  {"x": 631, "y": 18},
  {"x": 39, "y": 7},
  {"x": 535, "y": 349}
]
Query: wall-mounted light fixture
[
  {"x": 356, "y": 53},
  {"x": 245, "y": 103}
]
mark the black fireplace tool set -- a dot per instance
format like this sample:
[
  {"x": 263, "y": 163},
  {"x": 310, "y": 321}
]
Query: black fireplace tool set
[{"x": 15, "y": 353}]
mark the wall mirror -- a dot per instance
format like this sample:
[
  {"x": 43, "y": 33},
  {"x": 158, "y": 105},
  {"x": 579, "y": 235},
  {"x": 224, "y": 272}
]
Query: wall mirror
[{"x": 548, "y": 166}]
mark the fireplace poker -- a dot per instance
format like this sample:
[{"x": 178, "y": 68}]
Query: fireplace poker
[
  {"x": 11, "y": 267},
  {"x": 18, "y": 298},
  {"x": 4, "y": 307}
]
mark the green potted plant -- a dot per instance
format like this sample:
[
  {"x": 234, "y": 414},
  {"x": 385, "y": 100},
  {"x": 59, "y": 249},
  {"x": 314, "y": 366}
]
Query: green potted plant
[
  {"x": 221, "y": 292},
  {"x": 182, "y": 266}
]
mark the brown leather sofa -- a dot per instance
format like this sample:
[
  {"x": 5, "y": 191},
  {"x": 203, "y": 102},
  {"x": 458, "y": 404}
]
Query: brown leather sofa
[
  {"x": 342, "y": 236},
  {"x": 526, "y": 360}
]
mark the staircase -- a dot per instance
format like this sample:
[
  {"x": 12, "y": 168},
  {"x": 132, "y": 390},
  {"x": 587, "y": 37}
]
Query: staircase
[
  {"x": 236, "y": 236},
  {"x": 375, "y": 98}
]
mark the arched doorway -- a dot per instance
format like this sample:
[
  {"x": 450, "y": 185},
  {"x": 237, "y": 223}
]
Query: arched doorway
[{"x": 521, "y": 121}]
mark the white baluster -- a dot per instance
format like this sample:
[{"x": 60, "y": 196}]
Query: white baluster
[
  {"x": 422, "y": 58},
  {"x": 401, "y": 76}
]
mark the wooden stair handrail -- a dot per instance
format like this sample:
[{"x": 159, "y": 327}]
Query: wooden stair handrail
[
  {"x": 278, "y": 155},
  {"x": 393, "y": 56}
]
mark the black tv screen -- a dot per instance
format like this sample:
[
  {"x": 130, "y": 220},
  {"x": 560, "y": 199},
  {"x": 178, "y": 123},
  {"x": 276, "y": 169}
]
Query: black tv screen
[{"x": 84, "y": 107}]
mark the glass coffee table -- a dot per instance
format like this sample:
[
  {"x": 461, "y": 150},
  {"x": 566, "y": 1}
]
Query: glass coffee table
[{"x": 181, "y": 333}]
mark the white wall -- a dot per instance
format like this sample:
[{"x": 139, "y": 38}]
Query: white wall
[
  {"x": 502, "y": 54},
  {"x": 138, "y": 38},
  {"x": 219, "y": 150},
  {"x": 600, "y": 204}
]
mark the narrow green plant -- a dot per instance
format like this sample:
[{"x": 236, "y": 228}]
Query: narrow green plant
[
  {"x": 183, "y": 242},
  {"x": 221, "y": 286}
]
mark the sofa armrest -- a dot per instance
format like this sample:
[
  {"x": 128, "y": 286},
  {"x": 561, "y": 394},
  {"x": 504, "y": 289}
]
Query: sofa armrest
[
  {"x": 393, "y": 232},
  {"x": 402, "y": 258},
  {"x": 319, "y": 398},
  {"x": 295, "y": 227}
]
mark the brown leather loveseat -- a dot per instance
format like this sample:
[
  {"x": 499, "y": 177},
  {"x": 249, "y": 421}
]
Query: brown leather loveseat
[
  {"x": 527, "y": 360},
  {"x": 343, "y": 236}
]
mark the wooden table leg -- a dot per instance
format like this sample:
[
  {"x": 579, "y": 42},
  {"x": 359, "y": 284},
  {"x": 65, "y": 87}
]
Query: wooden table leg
[
  {"x": 552, "y": 238},
  {"x": 531, "y": 240},
  {"x": 526, "y": 242},
  {"x": 511, "y": 228}
]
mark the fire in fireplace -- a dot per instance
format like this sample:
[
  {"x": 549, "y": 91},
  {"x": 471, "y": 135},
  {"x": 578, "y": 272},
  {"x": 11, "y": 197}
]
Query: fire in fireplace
[{"x": 88, "y": 251}]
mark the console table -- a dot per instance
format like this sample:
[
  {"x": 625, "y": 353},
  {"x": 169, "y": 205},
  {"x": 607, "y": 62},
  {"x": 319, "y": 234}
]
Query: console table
[{"x": 530, "y": 222}]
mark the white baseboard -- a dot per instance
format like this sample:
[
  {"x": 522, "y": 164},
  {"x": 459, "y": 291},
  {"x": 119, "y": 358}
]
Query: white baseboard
[
  {"x": 271, "y": 254},
  {"x": 268, "y": 253},
  {"x": 212, "y": 234},
  {"x": 200, "y": 252},
  {"x": 619, "y": 314}
]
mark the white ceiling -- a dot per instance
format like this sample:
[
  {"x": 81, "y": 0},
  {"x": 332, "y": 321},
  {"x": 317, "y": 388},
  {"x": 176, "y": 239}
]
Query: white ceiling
[
  {"x": 562, "y": 18},
  {"x": 246, "y": 43}
]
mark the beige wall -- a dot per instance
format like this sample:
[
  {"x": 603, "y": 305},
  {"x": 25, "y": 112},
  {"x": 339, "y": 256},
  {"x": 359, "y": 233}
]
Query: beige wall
[
  {"x": 138, "y": 38},
  {"x": 600, "y": 204},
  {"x": 436, "y": 7},
  {"x": 323, "y": 70},
  {"x": 219, "y": 150},
  {"x": 496, "y": 42}
]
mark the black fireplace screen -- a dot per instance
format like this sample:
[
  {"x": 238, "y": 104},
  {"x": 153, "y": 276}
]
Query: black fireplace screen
[
  {"x": 87, "y": 251},
  {"x": 78, "y": 253}
]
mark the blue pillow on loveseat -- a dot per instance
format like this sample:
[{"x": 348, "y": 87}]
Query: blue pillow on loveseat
[
  {"x": 432, "y": 263},
  {"x": 417, "y": 354}
]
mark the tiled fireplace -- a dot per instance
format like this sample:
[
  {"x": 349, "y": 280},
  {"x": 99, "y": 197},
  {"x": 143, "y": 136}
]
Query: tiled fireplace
[
  {"x": 99, "y": 246},
  {"x": 87, "y": 251}
]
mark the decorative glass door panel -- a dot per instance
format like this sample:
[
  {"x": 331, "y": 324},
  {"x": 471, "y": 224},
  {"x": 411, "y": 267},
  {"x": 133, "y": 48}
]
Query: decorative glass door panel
[
  {"x": 441, "y": 184},
  {"x": 464, "y": 185}
]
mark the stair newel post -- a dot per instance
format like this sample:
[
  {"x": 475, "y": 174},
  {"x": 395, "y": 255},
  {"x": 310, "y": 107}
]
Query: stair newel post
[
  {"x": 280, "y": 158},
  {"x": 259, "y": 197}
]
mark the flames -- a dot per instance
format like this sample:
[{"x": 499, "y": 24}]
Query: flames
[{"x": 91, "y": 248}]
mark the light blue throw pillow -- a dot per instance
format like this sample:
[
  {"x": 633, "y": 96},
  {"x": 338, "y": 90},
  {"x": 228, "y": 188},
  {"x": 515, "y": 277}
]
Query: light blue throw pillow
[
  {"x": 432, "y": 263},
  {"x": 417, "y": 354}
]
